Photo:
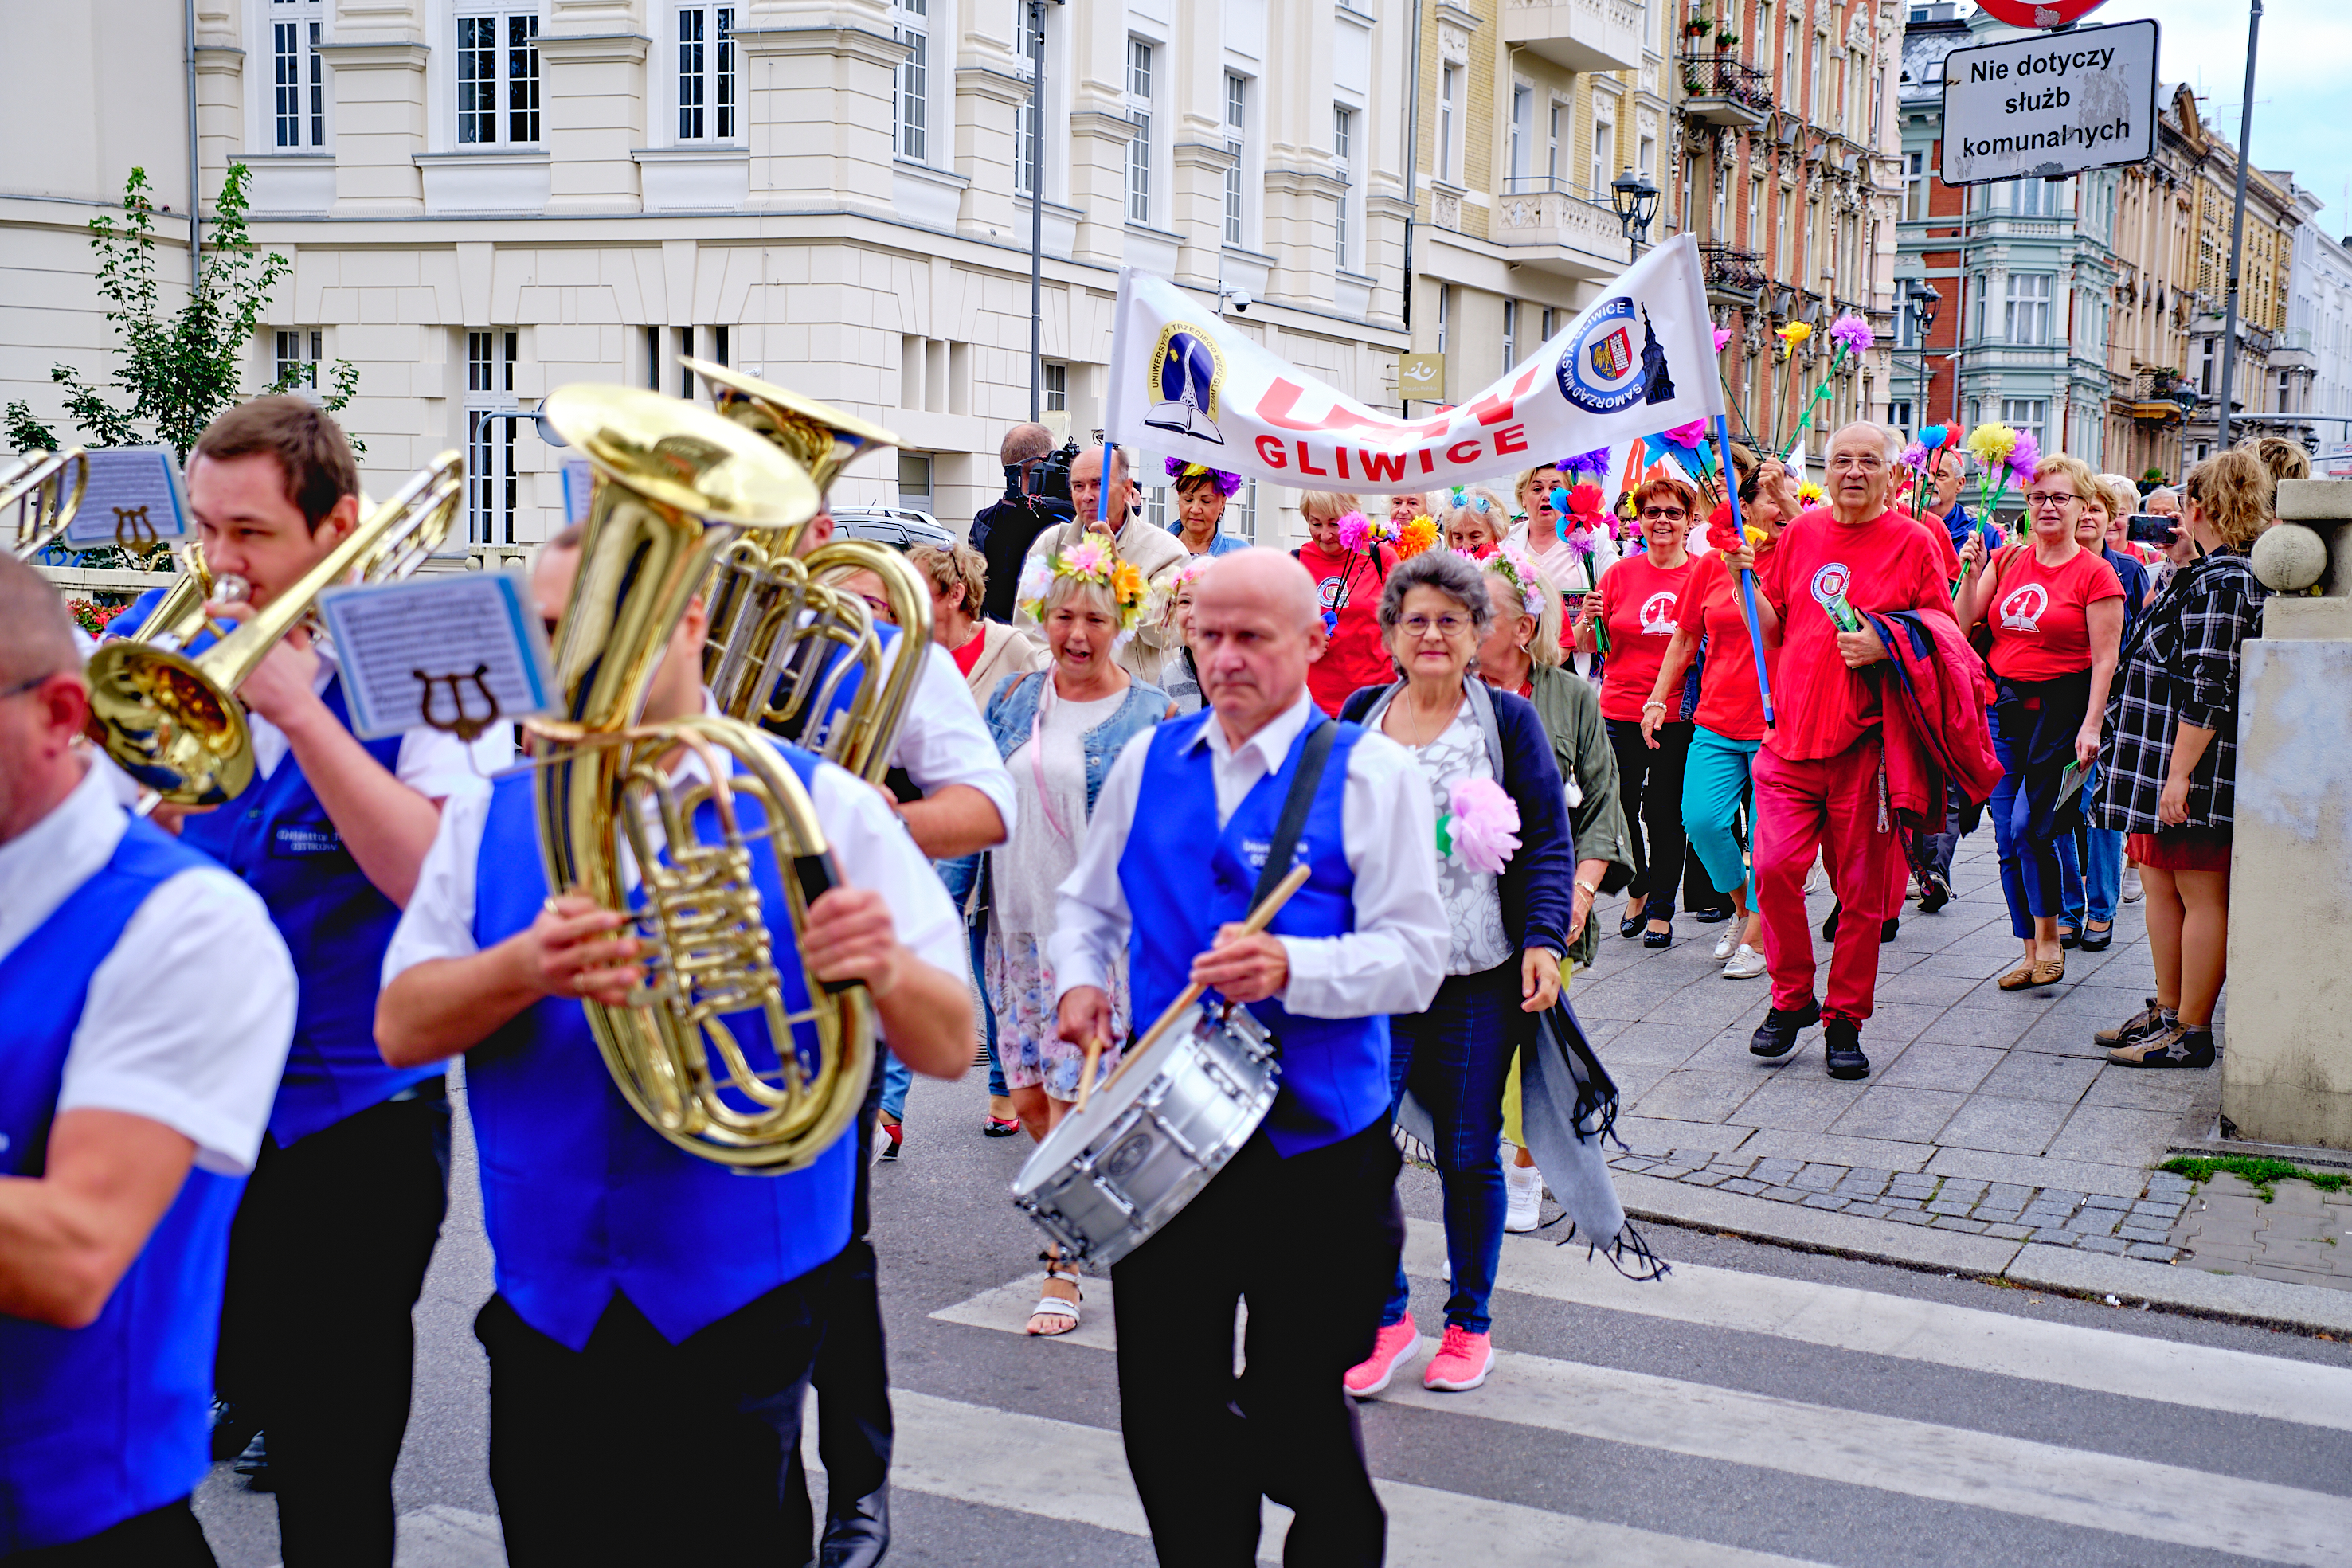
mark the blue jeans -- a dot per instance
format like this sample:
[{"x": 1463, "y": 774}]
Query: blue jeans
[
  {"x": 2029, "y": 850},
  {"x": 1455, "y": 1058},
  {"x": 2097, "y": 894},
  {"x": 1716, "y": 787},
  {"x": 979, "y": 934}
]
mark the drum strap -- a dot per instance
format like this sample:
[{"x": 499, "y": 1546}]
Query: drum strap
[{"x": 1295, "y": 805}]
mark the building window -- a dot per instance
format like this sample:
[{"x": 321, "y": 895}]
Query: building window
[
  {"x": 1236, "y": 130},
  {"x": 915, "y": 480},
  {"x": 1604, "y": 150},
  {"x": 706, "y": 73},
  {"x": 1898, "y": 413},
  {"x": 1510, "y": 335},
  {"x": 1155, "y": 503},
  {"x": 1449, "y": 139},
  {"x": 1813, "y": 84},
  {"x": 498, "y": 80},
  {"x": 1915, "y": 186},
  {"x": 1024, "y": 118},
  {"x": 299, "y": 76},
  {"x": 1057, "y": 387},
  {"x": 2029, "y": 415},
  {"x": 1343, "y": 154},
  {"x": 2030, "y": 297},
  {"x": 911, "y": 19},
  {"x": 1444, "y": 311},
  {"x": 1138, "y": 147},
  {"x": 1523, "y": 107},
  {"x": 1556, "y": 124},
  {"x": 489, "y": 441},
  {"x": 298, "y": 357},
  {"x": 1243, "y": 519}
]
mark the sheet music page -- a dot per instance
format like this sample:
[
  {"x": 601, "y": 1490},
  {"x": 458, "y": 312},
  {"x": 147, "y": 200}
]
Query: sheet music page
[
  {"x": 133, "y": 497},
  {"x": 439, "y": 652}
]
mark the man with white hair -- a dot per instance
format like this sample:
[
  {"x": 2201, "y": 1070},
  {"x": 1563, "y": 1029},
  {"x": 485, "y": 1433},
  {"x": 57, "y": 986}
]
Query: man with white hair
[
  {"x": 1154, "y": 552},
  {"x": 1821, "y": 780}
]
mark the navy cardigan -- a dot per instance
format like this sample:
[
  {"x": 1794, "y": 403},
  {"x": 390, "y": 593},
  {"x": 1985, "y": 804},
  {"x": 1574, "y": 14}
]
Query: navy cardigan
[{"x": 1538, "y": 882}]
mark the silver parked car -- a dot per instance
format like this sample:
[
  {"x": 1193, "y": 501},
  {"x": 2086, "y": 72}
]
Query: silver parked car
[{"x": 901, "y": 528}]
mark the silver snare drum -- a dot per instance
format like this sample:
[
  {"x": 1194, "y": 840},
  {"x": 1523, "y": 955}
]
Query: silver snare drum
[{"x": 1109, "y": 1177}]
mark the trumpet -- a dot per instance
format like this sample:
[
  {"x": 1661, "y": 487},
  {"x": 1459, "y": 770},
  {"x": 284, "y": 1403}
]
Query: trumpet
[
  {"x": 788, "y": 648},
  {"x": 673, "y": 485},
  {"x": 35, "y": 485},
  {"x": 173, "y": 722}
]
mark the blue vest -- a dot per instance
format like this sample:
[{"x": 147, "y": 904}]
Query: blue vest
[
  {"x": 584, "y": 1201},
  {"x": 336, "y": 925},
  {"x": 102, "y": 1424},
  {"x": 1335, "y": 1072}
]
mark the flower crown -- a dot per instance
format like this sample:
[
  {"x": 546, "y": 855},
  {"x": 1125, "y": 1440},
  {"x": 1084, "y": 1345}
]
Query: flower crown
[
  {"x": 1091, "y": 560},
  {"x": 1178, "y": 471},
  {"x": 1515, "y": 567}
]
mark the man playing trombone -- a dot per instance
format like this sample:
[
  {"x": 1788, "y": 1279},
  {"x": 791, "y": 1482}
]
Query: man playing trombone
[
  {"x": 337, "y": 1224},
  {"x": 641, "y": 1289}
]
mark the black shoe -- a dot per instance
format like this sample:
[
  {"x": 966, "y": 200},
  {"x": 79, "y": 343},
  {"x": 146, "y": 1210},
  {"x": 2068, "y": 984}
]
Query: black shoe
[
  {"x": 1714, "y": 916},
  {"x": 2174, "y": 1047},
  {"x": 1658, "y": 938},
  {"x": 859, "y": 1538},
  {"x": 1933, "y": 893},
  {"x": 1887, "y": 929},
  {"x": 1842, "y": 1049},
  {"x": 1777, "y": 1035},
  {"x": 2149, "y": 1020},
  {"x": 253, "y": 1464},
  {"x": 1829, "y": 926},
  {"x": 233, "y": 1428},
  {"x": 2069, "y": 936},
  {"x": 2098, "y": 941},
  {"x": 1636, "y": 917}
]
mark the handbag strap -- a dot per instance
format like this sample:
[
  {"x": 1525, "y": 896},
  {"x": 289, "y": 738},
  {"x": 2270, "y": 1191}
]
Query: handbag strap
[{"x": 1293, "y": 821}]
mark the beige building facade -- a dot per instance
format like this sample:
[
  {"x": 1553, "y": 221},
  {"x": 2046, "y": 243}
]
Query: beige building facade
[{"x": 484, "y": 199}]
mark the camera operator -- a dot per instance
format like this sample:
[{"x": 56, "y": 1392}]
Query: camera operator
[{"x": 1036, "y": 497}]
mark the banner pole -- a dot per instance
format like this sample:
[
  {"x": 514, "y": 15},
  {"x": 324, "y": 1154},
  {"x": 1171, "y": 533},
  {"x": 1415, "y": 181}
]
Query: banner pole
[{"x": 1747, "y": 577}]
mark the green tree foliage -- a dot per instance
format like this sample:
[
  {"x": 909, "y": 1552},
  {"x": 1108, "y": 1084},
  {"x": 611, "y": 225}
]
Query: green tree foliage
[{"x": 176, "y": 370}]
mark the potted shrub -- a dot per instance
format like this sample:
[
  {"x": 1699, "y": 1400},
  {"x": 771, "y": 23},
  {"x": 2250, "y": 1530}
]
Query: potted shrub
[
  {"x": 1726, "y": 39},
  {"x": 1699, "y": 27}
]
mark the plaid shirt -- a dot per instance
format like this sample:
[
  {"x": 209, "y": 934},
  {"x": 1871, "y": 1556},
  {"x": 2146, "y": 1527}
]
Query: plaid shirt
[{"x": 2182, "y": 666}]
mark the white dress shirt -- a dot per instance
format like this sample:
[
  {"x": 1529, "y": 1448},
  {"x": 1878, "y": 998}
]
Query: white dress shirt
[
  {"x": 944, "y": 740},
  {"x": 1394, "y": 959},
  {"x": 188, "y": 1020},
  {"x": 869, "y": 844}
]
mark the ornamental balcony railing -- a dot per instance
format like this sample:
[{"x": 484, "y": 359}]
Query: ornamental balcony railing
[
  {"x": 1722, "y": 90},
  {"x": 1563, "y": 232},
  {"x": 1731, "y": 272}
]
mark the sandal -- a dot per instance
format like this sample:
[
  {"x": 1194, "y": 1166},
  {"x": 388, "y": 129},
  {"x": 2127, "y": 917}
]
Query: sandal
[
  {"x": 2051, "y": 972},
  {"x": 1060, "y": 1314},
  {"x": 2017, "y": 980}
]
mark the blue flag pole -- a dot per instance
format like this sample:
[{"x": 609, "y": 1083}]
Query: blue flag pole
[
  {"x": 1102, "y": 494},
  {"x": 1747, "y": 577}
]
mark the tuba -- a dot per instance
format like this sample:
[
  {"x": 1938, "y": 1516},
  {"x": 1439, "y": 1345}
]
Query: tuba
[
  {"x": 173, "y": 722},
  {"x": 674, "y": 486},
  {"x": 35, "y": 485},
  {"x": 786, "y": 640}
]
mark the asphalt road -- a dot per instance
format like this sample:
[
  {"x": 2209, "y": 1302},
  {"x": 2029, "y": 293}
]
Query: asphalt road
[{"x": 1760, "y": 1407}]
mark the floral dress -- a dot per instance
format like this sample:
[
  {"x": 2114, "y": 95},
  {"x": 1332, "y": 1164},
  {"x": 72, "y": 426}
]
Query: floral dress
[{"x": 1473, "y": 899}]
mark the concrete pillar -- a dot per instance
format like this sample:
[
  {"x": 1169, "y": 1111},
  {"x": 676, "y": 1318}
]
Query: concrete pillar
[{"x": 2287, "y": 1075}]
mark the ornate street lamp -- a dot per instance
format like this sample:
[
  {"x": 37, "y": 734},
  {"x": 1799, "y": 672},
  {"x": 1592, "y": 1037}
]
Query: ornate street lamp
[
  {"x": 1923, "y": 298},
  {"x": 1636, "y": 201}
]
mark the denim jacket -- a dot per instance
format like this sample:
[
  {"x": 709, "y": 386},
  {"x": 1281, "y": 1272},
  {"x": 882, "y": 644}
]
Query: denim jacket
[{"x": 1012, "y": 710}]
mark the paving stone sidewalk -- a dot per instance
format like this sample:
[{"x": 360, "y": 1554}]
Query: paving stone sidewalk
[
  {"x": 2301, "y": 1234},
  {"x": 1987, "y": 1112}
]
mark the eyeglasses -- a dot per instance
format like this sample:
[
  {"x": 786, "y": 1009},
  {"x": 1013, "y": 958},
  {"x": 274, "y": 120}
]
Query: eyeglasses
[
  {"x": 2041, "y": 499},
  {"x": 1662, "y": 513},
  {"x": 1447, "y": 626}
]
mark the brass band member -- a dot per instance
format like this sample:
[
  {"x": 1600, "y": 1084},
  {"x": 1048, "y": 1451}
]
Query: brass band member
[
  {"x": 640, "y": 1288},
  {"x": 134, "y": 1088}
]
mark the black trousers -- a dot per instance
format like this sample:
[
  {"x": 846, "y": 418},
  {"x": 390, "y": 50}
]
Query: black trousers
[
  {"x": 1650, "y": 787},
  {"x": 634, "y": 1450},
  {"x": 326, "y": 1260},
  {"x": 1312, "y": 1241},
  {"x": 167, "y": 1537}
]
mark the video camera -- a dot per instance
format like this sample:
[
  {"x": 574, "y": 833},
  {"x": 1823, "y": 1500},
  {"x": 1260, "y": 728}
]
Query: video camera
[{"x": 1047, "y": 484}]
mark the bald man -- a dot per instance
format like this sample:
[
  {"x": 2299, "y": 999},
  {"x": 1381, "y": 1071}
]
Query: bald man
[
  {"x": 1303, "y": 1222},
  {"x": 135, "y": 1090}
]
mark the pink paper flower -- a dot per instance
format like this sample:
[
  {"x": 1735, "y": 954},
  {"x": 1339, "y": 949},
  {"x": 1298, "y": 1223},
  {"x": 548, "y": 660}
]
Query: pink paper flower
[
  {"x": 1689, "y": 435},
  {"x": 1086, "y": 557},
  {"x": 1485, "y": 826},
  {"x": 1722, "y": 337},
  {"x": 2023, "y": 456},
  {"x": 1853, "y": 333},
  {"x": 1353, "y": 527}
]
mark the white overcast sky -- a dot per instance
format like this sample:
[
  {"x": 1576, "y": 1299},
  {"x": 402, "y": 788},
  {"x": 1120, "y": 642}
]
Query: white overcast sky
[{"x": 2300, "y": 81}]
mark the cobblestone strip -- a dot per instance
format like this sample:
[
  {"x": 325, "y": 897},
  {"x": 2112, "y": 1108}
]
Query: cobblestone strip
[{"x": 2131, "y": 1227}]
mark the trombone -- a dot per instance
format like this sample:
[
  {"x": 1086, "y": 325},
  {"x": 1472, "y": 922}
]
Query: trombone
[
  {"x": 172, "y": 721},
  {"x": 35, "y": 485}
]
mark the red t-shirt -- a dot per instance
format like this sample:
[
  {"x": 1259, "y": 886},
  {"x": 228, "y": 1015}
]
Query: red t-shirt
[
  {"x": 969, "y": 654},
  {"x": 2039, "y": 614},
  {"x": 1354, "y": 656},
  {"x": 1943, "y": 537},
  {"x": 1641, "y": 601},
  {"x": 1728, "y": 702},
  {"x": 1822, "y": 708}
]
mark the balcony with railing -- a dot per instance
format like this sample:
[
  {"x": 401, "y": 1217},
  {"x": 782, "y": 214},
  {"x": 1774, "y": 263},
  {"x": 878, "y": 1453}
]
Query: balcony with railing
[
  {"x": 1719, "y": 89},
  {"x": 1582, "y": 35},
  {"x": 1734, "y": 277},
  {"x": 1550, "y": 223}
]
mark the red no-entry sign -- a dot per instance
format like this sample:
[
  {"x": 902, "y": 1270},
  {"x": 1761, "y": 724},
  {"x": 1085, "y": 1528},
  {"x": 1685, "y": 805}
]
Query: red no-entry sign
[{"x": 2041, "y": 13}]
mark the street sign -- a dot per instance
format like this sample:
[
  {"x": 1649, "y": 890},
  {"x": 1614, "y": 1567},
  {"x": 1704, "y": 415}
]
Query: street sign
[
  {"x": 2050, "y": 104},
  {"x": 2040, "y": 13},
  {"x": 1420, "y": 376}
]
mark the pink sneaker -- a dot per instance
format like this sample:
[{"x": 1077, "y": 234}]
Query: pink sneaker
[
  {"x": 1393, "y": 1349},
  {"x": 1461, "y": 1362}
]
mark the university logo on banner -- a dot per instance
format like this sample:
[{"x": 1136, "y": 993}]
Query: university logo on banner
[{"x": 1185, "y": 385}]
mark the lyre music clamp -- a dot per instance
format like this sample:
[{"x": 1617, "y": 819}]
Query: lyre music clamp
[
  {"x": 461, "y": 723},
  {"x": 133, "y": 532}
]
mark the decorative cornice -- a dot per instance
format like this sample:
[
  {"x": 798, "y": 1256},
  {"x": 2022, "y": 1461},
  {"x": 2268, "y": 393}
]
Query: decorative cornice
[
  {"x": 1106, "y": 127},
  {"x": 395, "y": 54},
  {"x": 856, "y": 43},
  {"x": 594, "y": 49},
  {"x": 1215, "y": 156},
  {"x": 1304, "y": 182},
  {"x": 993, "y": 85}
]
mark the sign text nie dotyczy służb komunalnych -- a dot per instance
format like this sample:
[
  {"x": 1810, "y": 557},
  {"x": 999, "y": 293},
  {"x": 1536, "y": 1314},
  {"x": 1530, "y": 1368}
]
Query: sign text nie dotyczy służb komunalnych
[{"x": 2047, "y": 104}]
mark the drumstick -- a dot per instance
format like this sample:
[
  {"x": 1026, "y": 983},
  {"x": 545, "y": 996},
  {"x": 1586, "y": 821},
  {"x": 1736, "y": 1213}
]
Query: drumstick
[
  {"x": 1087, "y": 1073},
  {"x": 1259, "y": 918}
]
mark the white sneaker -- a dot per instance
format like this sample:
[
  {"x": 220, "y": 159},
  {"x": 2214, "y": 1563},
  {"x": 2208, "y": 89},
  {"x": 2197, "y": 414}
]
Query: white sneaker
[
  {"x": 1728, "y": 942},
  {"x": 1523, "y": 1185},
  {"x": 1746, "y": 964},
  {"x": 2131, "y": 884}
]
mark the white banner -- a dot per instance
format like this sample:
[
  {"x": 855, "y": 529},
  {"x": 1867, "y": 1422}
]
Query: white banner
[{"x": 1640, "y": 360}]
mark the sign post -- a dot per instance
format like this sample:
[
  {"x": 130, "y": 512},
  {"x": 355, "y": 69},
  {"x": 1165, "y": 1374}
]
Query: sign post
[{"x": 2050, "y": 104}]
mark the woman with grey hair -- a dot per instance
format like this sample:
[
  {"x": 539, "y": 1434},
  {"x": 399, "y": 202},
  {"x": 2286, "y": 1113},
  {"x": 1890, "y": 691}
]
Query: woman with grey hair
[{"x": 1508, "y": 906}]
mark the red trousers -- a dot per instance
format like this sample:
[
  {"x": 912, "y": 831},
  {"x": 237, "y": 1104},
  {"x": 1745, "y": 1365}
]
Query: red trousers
[{"x": 1836, "y": 805}]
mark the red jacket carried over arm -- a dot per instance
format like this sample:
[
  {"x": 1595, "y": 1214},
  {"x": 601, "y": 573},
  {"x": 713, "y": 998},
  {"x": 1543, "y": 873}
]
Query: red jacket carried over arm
[{"x": 1937, "y": 700}]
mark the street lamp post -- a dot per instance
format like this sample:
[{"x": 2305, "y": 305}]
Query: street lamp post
[
  {"x": 1923, "y": 298},
  {"x": 1636, "y": 202}
]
